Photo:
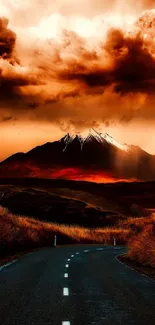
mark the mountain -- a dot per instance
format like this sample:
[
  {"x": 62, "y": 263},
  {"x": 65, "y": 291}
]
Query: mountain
[{"x": 92, "y": 156}]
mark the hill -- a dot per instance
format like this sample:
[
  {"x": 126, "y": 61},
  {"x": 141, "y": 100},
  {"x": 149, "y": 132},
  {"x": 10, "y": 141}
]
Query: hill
[{"x": 74, "y": 202}]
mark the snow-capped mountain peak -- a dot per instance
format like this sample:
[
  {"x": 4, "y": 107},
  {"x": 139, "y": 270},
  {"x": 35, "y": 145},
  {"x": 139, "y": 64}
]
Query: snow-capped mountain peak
[
  {"x": 84, "y": 137},
  {"x": 111, "y": 140},
  {"x": 67, "y": 140}
]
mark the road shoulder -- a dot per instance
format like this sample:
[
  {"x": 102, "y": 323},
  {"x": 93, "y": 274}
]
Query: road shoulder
[{"x": 144, "y": 270}]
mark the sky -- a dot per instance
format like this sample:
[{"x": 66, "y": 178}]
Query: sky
[{"x": 68, "y": 66}]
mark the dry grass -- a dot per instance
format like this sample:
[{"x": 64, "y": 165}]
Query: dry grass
[
  {"x": 136, "y": 225},
  {"x": 18, "y": 233},
  {"x": 142, "y": 242},
  {"x": 142, "y": 247}
]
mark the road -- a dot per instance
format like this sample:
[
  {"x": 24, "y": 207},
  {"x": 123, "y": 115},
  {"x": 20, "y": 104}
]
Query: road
[{"x": 75, "y": 285}]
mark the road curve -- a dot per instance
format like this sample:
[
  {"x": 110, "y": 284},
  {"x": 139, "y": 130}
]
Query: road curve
[{"x": 75, "y": 285}]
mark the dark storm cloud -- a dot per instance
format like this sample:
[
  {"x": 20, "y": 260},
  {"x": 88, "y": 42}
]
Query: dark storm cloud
[
  {"x": 12, "y": 74},
  {"x": 7, "y": 39},
  {"x": 131, "y": 66},
  {"x": 76, "y": 80}
]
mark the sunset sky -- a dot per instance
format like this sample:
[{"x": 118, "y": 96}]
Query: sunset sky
[{"x": 68, "y": 66}]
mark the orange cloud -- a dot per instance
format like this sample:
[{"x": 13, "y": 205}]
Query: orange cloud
[{"x": 98, "y": 70}]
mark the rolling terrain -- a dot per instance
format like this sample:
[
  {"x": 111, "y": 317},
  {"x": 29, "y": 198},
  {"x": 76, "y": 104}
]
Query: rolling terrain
[
  {"x": 78, "y": 212},
  {"x": 82, "y": 203}
]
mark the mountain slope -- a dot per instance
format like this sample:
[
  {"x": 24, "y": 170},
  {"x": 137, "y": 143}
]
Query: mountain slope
[{"x": 92, "y": 156}]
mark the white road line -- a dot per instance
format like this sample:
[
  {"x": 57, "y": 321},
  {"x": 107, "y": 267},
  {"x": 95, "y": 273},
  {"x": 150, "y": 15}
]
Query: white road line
[
  {"x": 86, "y": 251},
  {"x": 66, "y": 275},
  {"x": 66, "y": 323},
  {"x": 72, "y": 255},
  {"x": 65, "y": 292},
  {"x": 99, "y": 249},
  {"x": 6, "y": 265},
  {"x": 67, "y": 265},
  {"x": 68, "y": 259},
  {"x": 77, "y": 253}
]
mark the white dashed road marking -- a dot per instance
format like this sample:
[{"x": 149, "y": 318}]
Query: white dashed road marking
[
  {"x": 72, "y": 255},
  {"x": 65, "y": 292},
  {"x": 99, "y": 249},
  {"x": 68, "y": 259},
  {"x": 77, "y": 253},
  {"x": 6, "y": 265},
  {"x": 86, "y": 251},
  {"x": 66, "y": 323},
  {"x": 66, "y": 275},
  {"x": 67, "y": 265}
]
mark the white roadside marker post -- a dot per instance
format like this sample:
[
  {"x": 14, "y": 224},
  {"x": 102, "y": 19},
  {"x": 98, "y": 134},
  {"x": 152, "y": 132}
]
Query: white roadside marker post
[
  {"x": 114, "y": 241},
  {"x": 55, "y": 241}
]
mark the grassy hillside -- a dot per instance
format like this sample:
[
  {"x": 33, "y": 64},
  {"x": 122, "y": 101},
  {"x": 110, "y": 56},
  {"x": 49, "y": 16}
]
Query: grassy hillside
[
  {"x": 78, "y": 212},
  {"x": 76, "y": 202},
  {"x": 45, "y": 205},
  {"x": 142, "y": 247},
  {"x": 18, "y": 234}
]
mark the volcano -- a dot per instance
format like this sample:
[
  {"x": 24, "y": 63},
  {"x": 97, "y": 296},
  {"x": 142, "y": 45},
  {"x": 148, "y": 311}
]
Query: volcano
[{"x": 93, "y": 156}]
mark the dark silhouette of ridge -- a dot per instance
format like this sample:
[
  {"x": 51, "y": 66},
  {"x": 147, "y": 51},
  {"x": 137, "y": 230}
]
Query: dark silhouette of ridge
[{"x": 78, "y": 156}]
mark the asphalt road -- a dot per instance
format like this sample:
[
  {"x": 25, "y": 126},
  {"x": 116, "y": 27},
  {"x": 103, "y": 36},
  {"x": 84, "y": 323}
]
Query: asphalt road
[{"x": 91, "y": 288}]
